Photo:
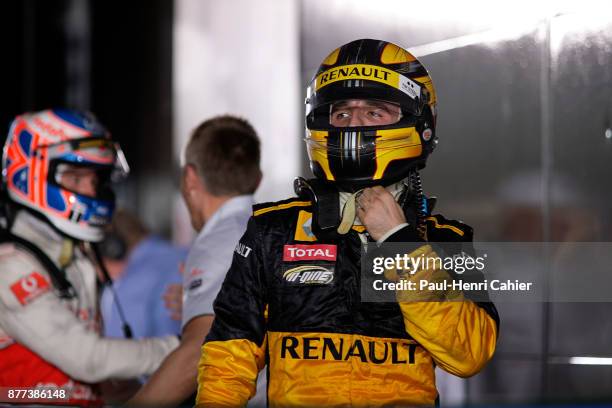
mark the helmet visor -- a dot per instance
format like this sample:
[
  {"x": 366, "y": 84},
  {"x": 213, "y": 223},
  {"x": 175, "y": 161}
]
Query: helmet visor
[
  {"x": 87, "y": 166},
  {"x": 363, "y": 112},
  {"x": 100, "y": 153}
]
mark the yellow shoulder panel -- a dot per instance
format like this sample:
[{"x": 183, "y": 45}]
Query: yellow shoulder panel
[{"x": 281, "y": 207}]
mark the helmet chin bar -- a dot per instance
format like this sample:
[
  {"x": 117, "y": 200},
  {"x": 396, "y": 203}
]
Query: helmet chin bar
[
  {"x": 70, "y": 227},
  {"x": 362, "y": 171},
  {"x": 81, "y": 233},
  {"x": 353, "y": 185},
  {"x": 367, "y": 159}
]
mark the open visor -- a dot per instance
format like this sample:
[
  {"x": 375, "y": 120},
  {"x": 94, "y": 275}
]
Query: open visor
[
  {"x": 321, "y": 117},
  {"x": 99, "y": 152}
]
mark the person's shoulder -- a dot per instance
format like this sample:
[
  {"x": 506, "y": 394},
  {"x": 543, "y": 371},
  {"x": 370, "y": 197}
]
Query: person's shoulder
[
  {"x": 280, "y": 216},
  {"x": 17, "y": 262},
  {"x": 281, "y": 210},
  {"x": 22, "y": 277},
  {"x": 442, "y": 229}
]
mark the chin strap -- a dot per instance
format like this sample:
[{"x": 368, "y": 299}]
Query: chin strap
[
  {"x": 66, "y": 253},
  {"x": 349, "y": 213}
]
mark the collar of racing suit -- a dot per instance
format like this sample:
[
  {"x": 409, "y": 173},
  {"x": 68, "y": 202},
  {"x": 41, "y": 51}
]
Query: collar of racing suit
[
  {"x": 396, "y": 189},
  {"x": 41, "y": 234}
]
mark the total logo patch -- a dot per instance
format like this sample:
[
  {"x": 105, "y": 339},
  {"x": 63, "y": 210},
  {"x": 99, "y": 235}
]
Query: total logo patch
[
  {"x": 309, "y": 275},
  {"x": 30, "y": 287},
  {"x": 319, "y": 252}
]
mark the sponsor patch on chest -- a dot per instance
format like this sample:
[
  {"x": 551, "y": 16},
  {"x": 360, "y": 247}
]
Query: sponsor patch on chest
[
  {"x": 309, "y": 275},
  {"x": 318, "y": 252}
]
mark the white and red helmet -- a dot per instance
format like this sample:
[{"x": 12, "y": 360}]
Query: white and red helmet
[{"x": 39, "y": 145}]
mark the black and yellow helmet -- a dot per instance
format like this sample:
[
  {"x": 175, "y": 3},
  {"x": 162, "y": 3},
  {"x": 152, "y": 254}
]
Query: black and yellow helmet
[{"x": 356, "y": 157}]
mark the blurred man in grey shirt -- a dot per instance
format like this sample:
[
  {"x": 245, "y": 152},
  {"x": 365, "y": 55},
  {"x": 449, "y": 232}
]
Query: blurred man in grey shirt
[{"x": 220, "y": 175}]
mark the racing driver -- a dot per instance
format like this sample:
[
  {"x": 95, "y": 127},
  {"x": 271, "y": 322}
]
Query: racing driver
[
  {"x": 370, "y": 126},
  {"x": 57, "y": 167}
]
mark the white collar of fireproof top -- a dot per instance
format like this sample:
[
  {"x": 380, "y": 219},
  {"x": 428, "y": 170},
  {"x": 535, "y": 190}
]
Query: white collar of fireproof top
[
  {"x": 239, "y": 204},
  {"x": 38, "y": 232},
  {"x": 395, "y": 189}
]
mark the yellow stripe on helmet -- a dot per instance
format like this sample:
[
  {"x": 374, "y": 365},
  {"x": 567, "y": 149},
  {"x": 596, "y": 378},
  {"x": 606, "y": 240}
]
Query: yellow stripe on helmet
[
  {"x": 392, "y": 54},
  {"x": 319, "y": 153},
  {"x": 395, "y": 144}
]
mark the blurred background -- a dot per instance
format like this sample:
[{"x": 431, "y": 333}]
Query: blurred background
[{"x": 525, "y": 126}]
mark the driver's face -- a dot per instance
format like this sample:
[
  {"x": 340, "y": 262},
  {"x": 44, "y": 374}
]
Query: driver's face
[
  {"x": 363, "y": 112},
  {"x": 81, "y": 180}
]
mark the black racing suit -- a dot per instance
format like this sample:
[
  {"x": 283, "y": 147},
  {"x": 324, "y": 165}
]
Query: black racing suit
[{"x": 322, "y": 345}]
